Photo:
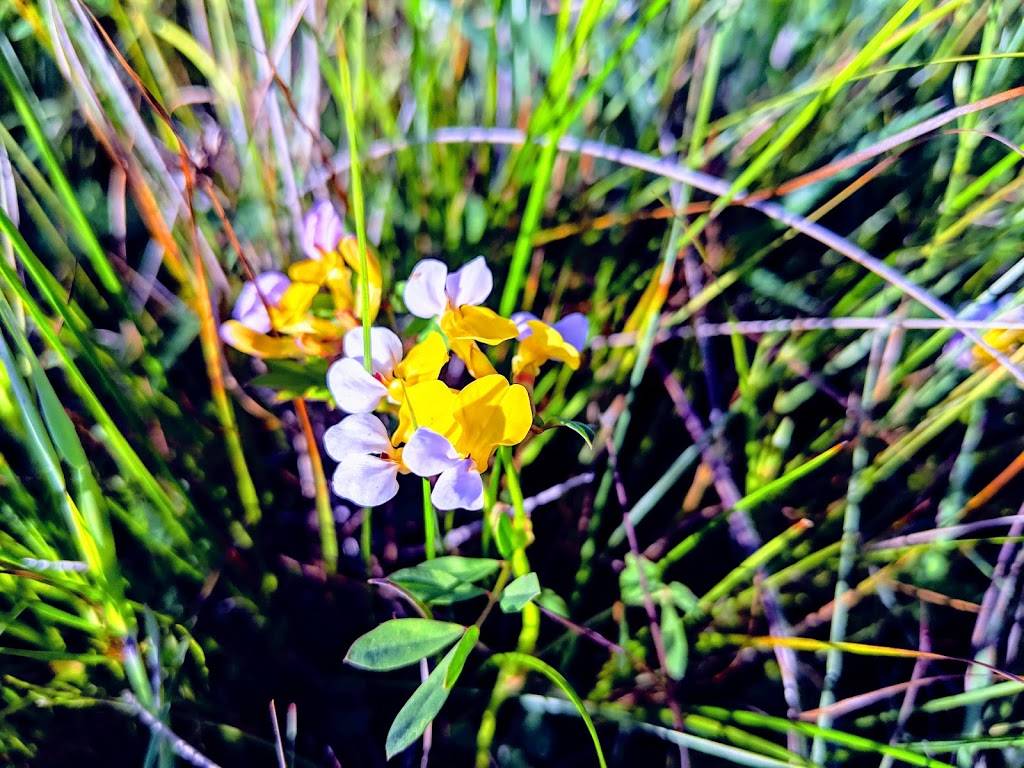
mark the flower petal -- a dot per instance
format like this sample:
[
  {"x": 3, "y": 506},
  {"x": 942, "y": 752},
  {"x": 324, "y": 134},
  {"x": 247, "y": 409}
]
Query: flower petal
[
  {"x": 427, "y": 404},
  {"x": 424, "y": 291},
  {"x": 358, "y": 433},
  {"x": 293, "y": 306},
  {"x": 543, "y": 343},
  {"x": 353, "y": 389},
  {"x": 366, "y": 480},
  {"x": 427, "y": 453},
  {"x": 491, "y": 412},
  {"x": 476, "y": 361},
  {"x": 322, "y": 229},
  {"x": 385, "y": 348},
  {"x": 249, "y": 308},
  {"x": 459, "y": 488},
  {"x": 479, "y": 324},
  {"x": 471, "y": 284},
  {"x": 424, "y": 361},
  {"x": 574, "y": 328},
  {"x": 522, "y": 321},
  {"x": 245, "y": 339}
]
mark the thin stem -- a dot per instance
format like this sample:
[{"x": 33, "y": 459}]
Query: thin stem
[
  {"x": 509, "y": 680},
  {"x": 429, "y": 522},
  {"x": 358, "y": 202},
  {"x": 324, "y": 513}
]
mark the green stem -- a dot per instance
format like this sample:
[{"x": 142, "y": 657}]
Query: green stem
[
  {"x": 324, "y": 513},
  {"x": 509, "y": 679},
  {"x": 429, "y": 522}
]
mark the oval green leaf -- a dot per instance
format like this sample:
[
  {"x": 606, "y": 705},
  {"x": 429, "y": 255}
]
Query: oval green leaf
[
  {"x": 426, "y": 701},
  {"x": 519, "y": 593},
  {"x": 401, "y": 642}
]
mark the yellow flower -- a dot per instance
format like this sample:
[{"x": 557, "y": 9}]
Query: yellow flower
[
  {"x": 333, "y": 260},
  {"x": 454, "y": 299},
  {"x": 272, "y": 319},
  {"x": 357, "y": 390},
  {"x": 540, "y": 342},
  {"x": 487, "y": 413},
  {"x": 339, "y": 271}
]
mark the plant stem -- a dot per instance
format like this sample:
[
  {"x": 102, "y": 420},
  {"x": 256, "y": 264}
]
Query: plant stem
[
  {"x": 324, "y": 513},
  {"x": 429, "y": 522},
  {"x": 509, "y": 679}
]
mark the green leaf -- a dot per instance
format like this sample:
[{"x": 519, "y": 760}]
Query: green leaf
[
  {"x": 401, "y": 642},
  {"x": 507, "y": 538},
  {"x": 554, "y": 602},
  {"x": 434, "y": 586},
  {"x": 630, "y": 584},
  {"x": 424, "y": 704},
  {"x": 465, "y": 569},
  {"x": 682, "y": 596},
  {"x": 583, "y": 430},
  {"x": 520, "y": 592},
  {"x": 552, "y": 674},
  {"x": 460, "y": 654},
  {"x": 291, "y": 379},
  {"x": 674, "y": 635}
]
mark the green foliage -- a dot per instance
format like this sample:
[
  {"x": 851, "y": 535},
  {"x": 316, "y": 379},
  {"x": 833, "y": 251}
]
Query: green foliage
[
  {"x": 426, "y": 701},
  {"x": 401, "y": 642},
  {"x": 521, "y": 591},
  {"x": 785, "y": 438}
]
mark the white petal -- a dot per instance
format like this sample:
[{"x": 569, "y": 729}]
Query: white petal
[
  {"x": 249, "y": 309},
  {"x": 427, "y": 453},
  {"x": 322, "y": 230},
  {"x": 424, "y": 291},
  {"x": 522, "y": 320},
  {"x": 471, "y": 284},
  {"x": 459, "y": 488},
  {"x": 574, "y": 328},
  {"x": 385, "y": 347},
  {"x": 366, "y": 480},
  {"x": 358, "y": 433},
  {"x": 353, "y": 389}
]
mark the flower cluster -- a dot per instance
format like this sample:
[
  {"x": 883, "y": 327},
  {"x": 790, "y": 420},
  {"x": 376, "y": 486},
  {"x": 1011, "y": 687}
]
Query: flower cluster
[
  {"x": 439, "y": 431},
  {"x": 290, "y": 316}
]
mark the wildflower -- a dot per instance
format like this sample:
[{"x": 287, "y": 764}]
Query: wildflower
[
  {"x": 332, "y": 259},
  {"x": 274, "y": 304},
  {"x": 540, "y": 342},
  {"x": 357, "y": 390},
  {"x": 487, "y": 413},
  {"x": 455, "y": 300},
  {"x": 368, "y": 466},
  {"x": 458, "y": 485}
]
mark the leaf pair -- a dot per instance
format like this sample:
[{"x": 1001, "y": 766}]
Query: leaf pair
[
  {"x": 401, "y": 642},
  {"x": 445, "y": 580}
]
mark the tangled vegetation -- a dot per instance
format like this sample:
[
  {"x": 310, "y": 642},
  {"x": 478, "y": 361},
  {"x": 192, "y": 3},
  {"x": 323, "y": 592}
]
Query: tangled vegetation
[{"x": 511, "y": 383}]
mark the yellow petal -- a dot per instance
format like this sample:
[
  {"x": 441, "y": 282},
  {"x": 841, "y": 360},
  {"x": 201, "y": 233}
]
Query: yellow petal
[
  {"x": 426, "y": 404},
  {"x": 544, "y": 343},
  {"x": 315, "y": 345},
  {"x": 293, "y": 306},
  {"x": 476, "y": 361},
  {"x": 246, "y": 340},
  {"x": 424, "y": 361},
  {"x": 310, "y": 271},
  {"x": 1005, "y": 340},
  {"x": 349, "y": 250},
  {"x": 477, "y": 323},
  {"x": 491, "y": 412}
]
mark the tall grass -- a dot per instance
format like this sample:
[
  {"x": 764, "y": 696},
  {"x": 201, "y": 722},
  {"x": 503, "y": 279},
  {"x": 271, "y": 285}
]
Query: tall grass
[{"x": 794, "y": 228}]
